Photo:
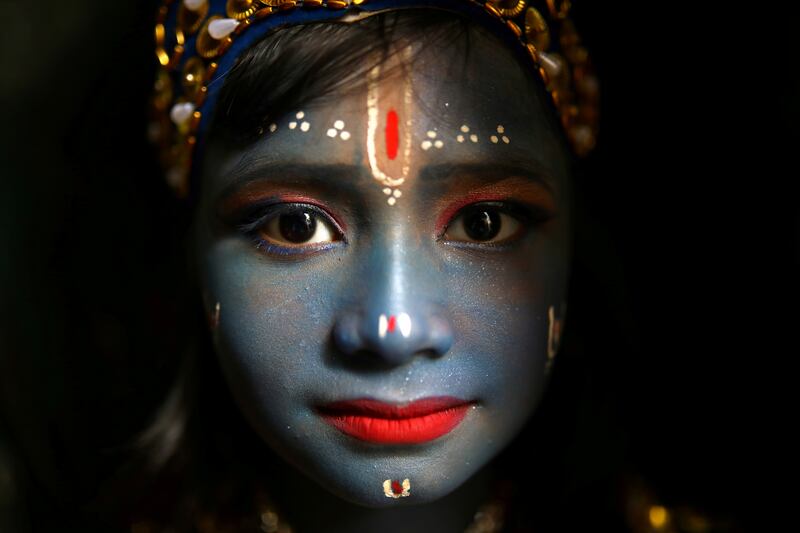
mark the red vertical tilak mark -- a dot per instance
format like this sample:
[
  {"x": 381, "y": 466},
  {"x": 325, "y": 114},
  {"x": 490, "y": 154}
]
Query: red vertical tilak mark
[
  {"x": 392, "y": 321},
  {"x": 392, "y": 134}
]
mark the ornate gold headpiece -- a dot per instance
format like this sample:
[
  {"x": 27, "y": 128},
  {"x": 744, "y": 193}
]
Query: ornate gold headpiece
[{"x": 197, "y": 41}]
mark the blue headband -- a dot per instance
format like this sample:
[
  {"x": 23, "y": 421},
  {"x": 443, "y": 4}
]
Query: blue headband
[{"x": 199, "y": 41}]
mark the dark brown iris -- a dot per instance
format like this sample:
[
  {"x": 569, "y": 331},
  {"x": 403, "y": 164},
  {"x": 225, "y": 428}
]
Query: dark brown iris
[
  {"x": 482, "y": 224},
  {"x": 297, "y": 227}
]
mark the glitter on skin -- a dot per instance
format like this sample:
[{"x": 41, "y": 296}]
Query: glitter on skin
[{"x": 492, "y": 304}]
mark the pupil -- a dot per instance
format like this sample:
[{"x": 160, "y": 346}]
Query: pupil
[
  {"x": 297, "y": 227},
  {"x": 482, "y": 225}
]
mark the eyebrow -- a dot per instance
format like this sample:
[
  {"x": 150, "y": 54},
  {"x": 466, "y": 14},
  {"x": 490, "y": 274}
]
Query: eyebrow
[
  {"x": 335, "y": 177},
  {"x": 529, "y": 168}
]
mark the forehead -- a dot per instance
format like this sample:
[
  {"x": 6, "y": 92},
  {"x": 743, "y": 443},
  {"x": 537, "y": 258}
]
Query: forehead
[{"x": 463, "y": 102}]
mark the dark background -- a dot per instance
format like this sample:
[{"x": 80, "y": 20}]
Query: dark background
[{"x": 677, "y": 295}]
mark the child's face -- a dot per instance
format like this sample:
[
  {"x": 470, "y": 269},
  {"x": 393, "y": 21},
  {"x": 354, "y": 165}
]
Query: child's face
[{"x": 401, "y": 243}]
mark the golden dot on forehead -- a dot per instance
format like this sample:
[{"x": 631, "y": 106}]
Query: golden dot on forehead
[
  {"x": 494, "y": 139},
  {"x": 506, "y": 139},
  {"x": 501, "y": 129}
]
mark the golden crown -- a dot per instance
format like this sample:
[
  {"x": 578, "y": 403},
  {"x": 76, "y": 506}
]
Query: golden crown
[{"x": 195, "y": 37}]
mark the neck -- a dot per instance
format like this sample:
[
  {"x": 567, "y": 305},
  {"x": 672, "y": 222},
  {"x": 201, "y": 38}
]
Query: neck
[{"x": 308, "y": 507}]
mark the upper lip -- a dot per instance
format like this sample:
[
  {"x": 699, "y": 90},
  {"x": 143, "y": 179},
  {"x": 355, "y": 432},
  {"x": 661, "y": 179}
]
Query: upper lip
[{"x": 370, "y": 407}]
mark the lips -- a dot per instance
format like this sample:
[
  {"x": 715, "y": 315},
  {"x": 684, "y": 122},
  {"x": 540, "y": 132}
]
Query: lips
[{"x": 386, "y": 423}]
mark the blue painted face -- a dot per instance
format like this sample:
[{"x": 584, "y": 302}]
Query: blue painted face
[{"x": 404, "y": 242}]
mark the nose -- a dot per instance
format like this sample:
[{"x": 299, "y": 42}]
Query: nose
[
  {"x": 392, "y": 336},
  {"x": 399, "y": 315}
]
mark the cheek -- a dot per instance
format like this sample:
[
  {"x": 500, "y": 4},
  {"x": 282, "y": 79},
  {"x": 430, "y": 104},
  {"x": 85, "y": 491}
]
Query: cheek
[
  {"x": 271, "y": 327},
  {"x": 501, "y": 319}
]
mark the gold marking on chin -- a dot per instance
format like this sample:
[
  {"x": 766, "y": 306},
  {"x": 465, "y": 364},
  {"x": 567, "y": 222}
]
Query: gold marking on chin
[{"x": 389, "y": 491}]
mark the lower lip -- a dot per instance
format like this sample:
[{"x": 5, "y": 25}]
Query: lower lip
[{"x": 381, "y": 423}]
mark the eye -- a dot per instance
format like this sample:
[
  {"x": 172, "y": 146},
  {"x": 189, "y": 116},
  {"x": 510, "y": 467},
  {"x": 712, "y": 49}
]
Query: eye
[
  {"x": 291, "y": 228},
  {"x": 486, "y": 223}
]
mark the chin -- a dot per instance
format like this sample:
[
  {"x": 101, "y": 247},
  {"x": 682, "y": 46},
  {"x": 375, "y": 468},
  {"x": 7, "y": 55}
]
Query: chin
[{"x": 389, "y": 476}]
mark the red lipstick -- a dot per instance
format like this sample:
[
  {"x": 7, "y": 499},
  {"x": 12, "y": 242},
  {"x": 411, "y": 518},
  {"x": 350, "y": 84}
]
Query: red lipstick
[{"x": 386, "y": 423}]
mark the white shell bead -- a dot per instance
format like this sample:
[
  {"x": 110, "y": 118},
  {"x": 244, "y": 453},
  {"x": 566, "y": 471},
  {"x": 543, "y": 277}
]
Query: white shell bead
[
  {"x": 180, "y": 113},
  {"x": 194, "y": 5},
  {"x": 221, "y": 28}
]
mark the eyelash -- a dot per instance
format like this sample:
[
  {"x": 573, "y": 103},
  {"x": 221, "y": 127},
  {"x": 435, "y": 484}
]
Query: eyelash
[{"x": 257, "y": 218}]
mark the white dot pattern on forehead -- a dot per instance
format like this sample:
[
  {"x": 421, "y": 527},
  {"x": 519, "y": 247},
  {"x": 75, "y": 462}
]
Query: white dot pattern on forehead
[
  {"x": 473, "y": 138},
  {"x": 438, "y": 143},
  {"x": 337, "y": 128},
  {"x": 494, "y": 139},
  {"x": 300, "y": 114},
  {"x": 465, "y": 128},
  {"x": 501, "y": 129},
  {"x": 305, "y": 126},
  {"x": 506, "y": 139},
  {"x": 292, "y": 125},
  {"x": 387, "y": 191},
  {"x": 460, "y": 138},
  {"x": 391, "y": 200},
  {"x": 432, "y": 134},
  {"x": 426, "y": 144}
]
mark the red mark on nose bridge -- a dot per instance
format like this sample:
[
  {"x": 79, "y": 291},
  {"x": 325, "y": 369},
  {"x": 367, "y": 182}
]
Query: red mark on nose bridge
[
  {"x": 397, "y": 488},
  {"x": 390, "y": 326},
  {"x": 391, "y": 135}
]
